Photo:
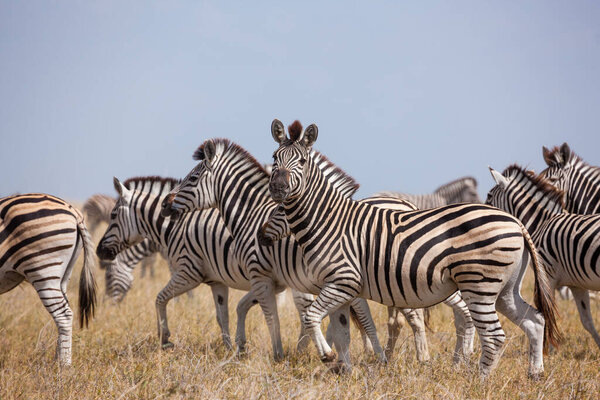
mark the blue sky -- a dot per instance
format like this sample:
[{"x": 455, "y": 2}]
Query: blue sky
[{"x": 407, "y": 95}]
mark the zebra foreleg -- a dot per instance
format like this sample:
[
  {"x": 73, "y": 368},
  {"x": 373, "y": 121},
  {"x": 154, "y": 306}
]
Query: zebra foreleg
[
  {"x": 177, "y": 285},
  {"x": 362, "y": 314},
  {"x": 340, "y": 323},
  {"x": 582, "y": 299},
  {"x": 242, "y": 308},
  {"x": 264, "y": 291},
  {"x": 220, "y": 294},
  {"x": 302, "y": 301}
]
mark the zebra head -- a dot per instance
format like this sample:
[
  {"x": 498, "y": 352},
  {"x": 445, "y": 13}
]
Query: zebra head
[
  {"x": 528, "y": 197},
  {"x": 560, "y": 162},
  {"x": 122, "y": 230},
  {"x": 118, "y": 280},
  {"x": 291, "y": 161},
  {"x": 196, "y": 190}
]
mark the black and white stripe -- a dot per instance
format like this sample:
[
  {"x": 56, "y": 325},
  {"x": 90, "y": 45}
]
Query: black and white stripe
[
  {"x": 409, "y": 259},
  {"x": 568, "y": 244},
  {"x": 41, "y": 237}
]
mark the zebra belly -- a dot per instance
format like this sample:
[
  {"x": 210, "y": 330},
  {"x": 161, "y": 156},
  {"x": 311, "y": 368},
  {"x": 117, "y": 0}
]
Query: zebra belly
[{"x": 9, "y": 280}]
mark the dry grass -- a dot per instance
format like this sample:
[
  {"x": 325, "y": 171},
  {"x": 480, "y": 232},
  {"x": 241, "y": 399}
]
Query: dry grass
[{"x": 118, "y": 356}]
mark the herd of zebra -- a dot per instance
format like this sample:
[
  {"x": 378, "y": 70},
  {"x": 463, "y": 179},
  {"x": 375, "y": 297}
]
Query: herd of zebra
[{"x": 235, "y": 223}]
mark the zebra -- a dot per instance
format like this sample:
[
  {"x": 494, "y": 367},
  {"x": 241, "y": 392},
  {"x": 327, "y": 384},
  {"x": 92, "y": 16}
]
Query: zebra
[
  {"x": 579, "y": 180},
  {"x": 277, "y": 227},
  {"x": 41, "y": 237},
  {"x": 97, "y": 210},
  {"x": 236, "y": 171},
  {"x": 199, "y": 249},
  {"x": 568, "y": 244},
  {"x": 462, "y": 190},
  {"x": 119, "y": 272},
  {"x": 409, "y": 259}
]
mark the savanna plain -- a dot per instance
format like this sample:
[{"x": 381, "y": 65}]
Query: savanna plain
[{"x": 118, "y": 356}]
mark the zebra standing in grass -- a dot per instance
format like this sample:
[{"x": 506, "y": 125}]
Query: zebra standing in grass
[
  {"x": 119, "y": 272},
  {"x": 226, "y": 168},
  {"x": 41, "y": 237},
  {"x": 97, "y": 210},
  {"x": 409, "y": 259},
  {"x": 462, "y": 190},
  {"x": 568, "y": 244},
  {"x": 199, "y": 248}
]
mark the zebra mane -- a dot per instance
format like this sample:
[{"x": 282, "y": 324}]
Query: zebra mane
[
  {"x": 341, "y": 181},
  {"x": 229, "y": 147},
  {"x": 151, "y": 184},
  {"x": 463, "y": 180},
  {"x": 552, "y": 192}
]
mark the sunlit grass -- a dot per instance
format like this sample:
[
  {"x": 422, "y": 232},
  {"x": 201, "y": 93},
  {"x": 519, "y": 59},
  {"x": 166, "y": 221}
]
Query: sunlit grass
[{"x": 118, "y": 356}]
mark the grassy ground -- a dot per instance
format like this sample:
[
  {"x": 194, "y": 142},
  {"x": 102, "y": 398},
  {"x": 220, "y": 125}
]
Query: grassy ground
[{"x": 118, "y": 356}]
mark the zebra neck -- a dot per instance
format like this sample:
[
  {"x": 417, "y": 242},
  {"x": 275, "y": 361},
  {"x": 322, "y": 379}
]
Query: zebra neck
[
  {"x": 148, "y": 219},
  {"x": 316, "y": 208},
  {"x": 239, "y": 193},
  {"x": 535, "y": 208}
]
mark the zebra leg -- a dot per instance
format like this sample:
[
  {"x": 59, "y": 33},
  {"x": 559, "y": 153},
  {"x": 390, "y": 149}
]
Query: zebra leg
[
  {"x": 178, "y": 284},
  {"x": 148, "y": 265},
  {"x": 582, "y": 299},
  {"x": 242, "y": 309},
  {"x": 57, "y": 305},
  {"x": 340, "y": 323},
  {"x": 394, "y": 324},
  {"x": 491, "y": 334},
  {"x": 465, "y": 330},
  {"x": 220, "y": 294},
  {"x": 302, "y": 301},
  {"x": 264, "y": 291},
  {"x": 415, "y": 318},
  {"x": 362, "y": 313},
  {"x": 330, "y": 299}
]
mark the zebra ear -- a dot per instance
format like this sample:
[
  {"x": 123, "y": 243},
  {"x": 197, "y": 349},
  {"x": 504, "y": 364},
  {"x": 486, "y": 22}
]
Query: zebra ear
[
  {"x": 499, "y": 178},
  {"x": 565, "y": 153},
  {"x": 278, "y": 131},
  {"x": 547, "y": 156},
  {"x": 209, "y": 150},
  {"x": 310, "y": 135},
  {"x": 121, "y": 189}
]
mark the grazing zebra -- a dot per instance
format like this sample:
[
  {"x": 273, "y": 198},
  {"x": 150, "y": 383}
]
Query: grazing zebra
[
  {"x": 579, "y": 180},
  {"x": 230, "y": 169},
  {"x": 97, "y": 210},
  {"x": 199, "y": 249},
  {"x": 119, "y": 272},
  {"x": 462, "y": 190},
  {"x": 409, "y": 259},
  {"x": 277, "y": 227},
  {"x": 41, "y": 237},
  {"x": 568, "y": 244}
]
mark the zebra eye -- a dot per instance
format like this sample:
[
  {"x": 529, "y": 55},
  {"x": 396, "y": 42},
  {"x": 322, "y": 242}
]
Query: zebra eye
[{"x": 302, "y": 162}]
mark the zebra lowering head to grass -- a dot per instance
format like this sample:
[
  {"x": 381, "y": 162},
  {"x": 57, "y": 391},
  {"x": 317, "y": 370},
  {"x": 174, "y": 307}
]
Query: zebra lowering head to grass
[
  {"x": 579, "y": 180},
  {"x": 568, "y": 244},
  {"x": 410, "y": 259},
  {"x": 462, "y": 190},
  {"x": 41, "y": 237}
]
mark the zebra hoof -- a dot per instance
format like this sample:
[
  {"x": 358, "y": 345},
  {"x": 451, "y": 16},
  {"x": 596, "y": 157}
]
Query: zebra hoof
[
  {"x": 535, "y": 376},
  {"x": 241, "y": 353},
  {"x": 167, "y": 346},
  {"x": 328, "y": 357},
  {"x": 340, "y": 369}
]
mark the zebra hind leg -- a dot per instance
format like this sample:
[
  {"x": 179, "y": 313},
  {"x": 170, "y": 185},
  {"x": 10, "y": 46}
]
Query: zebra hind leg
[
  {"x": 394, "y": 324},
  {"x": 582, "y": 299},
  {"x": 465, "y": 330},
  {"x": 340, "y": 324},
  {"x": 361, "y": 314},
  {"x": 416, "y": 320}
]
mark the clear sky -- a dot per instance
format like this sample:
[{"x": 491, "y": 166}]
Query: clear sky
[{"x": 407, "y": 95}]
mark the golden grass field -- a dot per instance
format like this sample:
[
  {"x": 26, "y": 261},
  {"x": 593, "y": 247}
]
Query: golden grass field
[{"x": 119, "y": 357}]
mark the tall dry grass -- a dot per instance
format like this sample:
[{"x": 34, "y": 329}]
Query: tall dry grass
[{"x": 118, "y": 356}]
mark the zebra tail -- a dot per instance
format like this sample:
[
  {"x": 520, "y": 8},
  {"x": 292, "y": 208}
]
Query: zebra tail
[
  {"x": 543, "y": 297},
  {"x": 87, "y": 280}
]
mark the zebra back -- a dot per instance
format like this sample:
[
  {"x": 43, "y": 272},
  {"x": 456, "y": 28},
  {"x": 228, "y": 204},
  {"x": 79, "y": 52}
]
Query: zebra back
[
  {"x": 97, "y": 209},
  {"x": 461, "y": 190}
]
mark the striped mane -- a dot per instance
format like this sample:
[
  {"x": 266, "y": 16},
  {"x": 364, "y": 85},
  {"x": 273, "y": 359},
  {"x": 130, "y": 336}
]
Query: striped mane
[
  {"x": 227, "y": 146},
  {"x": 548, "y": 190},
  {"x": 556, "y": 158},
  {"x": 151, "y": 184},
  {"x": 341, "y": 181}
]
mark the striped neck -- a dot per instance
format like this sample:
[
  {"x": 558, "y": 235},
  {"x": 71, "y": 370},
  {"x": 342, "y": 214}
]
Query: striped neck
[
  {"x": 582, "y": 185},
  {"x": 145, "y": 208}
]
